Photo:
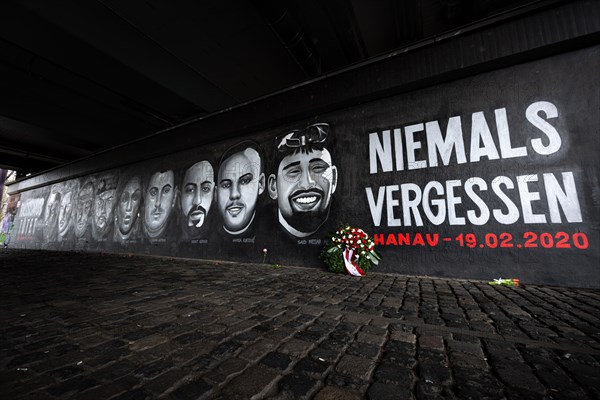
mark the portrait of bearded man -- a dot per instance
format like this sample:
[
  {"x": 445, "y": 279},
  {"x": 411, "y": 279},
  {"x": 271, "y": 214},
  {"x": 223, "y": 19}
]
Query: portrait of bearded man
[
  {"x": 304, "y": 181},
  {"x": 196, "y": 199},
  {"x": 104, "y": 202}
]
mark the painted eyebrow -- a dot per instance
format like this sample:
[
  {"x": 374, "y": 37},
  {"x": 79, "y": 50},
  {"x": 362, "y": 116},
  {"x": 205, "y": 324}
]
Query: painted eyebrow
[
  {"x": 205, "y": 182},
  {"x": 291, "y": 165},
  {"x": 167, "y": 185},
  {"x": 245, "y": 176},
  {"x": 318, "y": 159},
  {"x": 224, "y": 180}
]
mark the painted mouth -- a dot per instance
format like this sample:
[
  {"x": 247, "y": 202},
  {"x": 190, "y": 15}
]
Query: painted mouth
[
  {"x": 196, "y": 219},
  {"x": 235, "y": 210},
  {"x": 127, "y": 219},
  {"x": 156, "y": 215},
  {"x": 306, "y": 201}
]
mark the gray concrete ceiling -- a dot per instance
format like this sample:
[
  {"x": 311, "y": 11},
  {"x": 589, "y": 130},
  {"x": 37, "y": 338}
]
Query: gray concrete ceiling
[{"x": 80, "y": 76}]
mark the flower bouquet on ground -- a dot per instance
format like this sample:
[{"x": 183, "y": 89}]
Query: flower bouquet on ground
[{"x": 351, "y": 250}]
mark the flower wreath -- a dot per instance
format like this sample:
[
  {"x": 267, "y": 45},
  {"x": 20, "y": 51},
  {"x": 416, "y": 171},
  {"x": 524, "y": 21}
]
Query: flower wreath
[{"x": 350, "y": 249}]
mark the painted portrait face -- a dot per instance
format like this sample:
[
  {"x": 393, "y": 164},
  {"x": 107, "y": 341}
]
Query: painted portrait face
[
  {"x": 64, "y": 212},
  {"x": 160, "y": 199},
  {"x": 103, "y": 206},
  {"x": 303, "y": 187},
  {"x": 51, "y": 212},
  {"x": 129, "y": 204},
  {"x": 197, "y": 192},
  {"x": 52, "y": 207},
  {"x": 239, "y": 184},
  {"x": 85, "y": 201}
]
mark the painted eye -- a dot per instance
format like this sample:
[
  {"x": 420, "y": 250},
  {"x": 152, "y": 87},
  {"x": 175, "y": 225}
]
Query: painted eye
[
  {"x": 166, "y": 189},
  {"x": 190, "y": 189},
  {"x": 293, "y": 173},
  {"x": 246, "y": 180},
  {"x": 205, "y": 188},
  {"x": 153, "y": 192},
  {"x": 319, "y": 169},
  {"x": 226, "y": 184}
]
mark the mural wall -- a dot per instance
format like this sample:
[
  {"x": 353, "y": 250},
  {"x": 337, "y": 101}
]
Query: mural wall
[{"x": 496, "y": 175}]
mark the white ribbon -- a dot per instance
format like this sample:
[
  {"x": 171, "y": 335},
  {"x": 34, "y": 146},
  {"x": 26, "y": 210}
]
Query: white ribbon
[{"x": 352, "y": 268}]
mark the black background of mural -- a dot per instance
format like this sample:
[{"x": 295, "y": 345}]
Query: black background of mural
[{"x": 575, "y": 95}]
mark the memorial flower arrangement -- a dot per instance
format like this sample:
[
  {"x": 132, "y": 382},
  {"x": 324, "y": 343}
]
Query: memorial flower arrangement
[{"x": 351, "y": 250}]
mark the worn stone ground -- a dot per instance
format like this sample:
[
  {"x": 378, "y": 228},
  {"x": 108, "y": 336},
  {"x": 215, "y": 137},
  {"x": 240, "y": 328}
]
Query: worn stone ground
[{"x": 94, "y": 326}]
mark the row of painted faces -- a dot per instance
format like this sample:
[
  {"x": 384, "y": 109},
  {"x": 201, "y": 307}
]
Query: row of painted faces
[{"x": 302, "y": 186}]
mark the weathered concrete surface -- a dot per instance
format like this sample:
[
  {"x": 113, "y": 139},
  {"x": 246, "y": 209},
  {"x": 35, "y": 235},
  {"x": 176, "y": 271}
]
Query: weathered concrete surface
[{"x": 93, "y": 326}]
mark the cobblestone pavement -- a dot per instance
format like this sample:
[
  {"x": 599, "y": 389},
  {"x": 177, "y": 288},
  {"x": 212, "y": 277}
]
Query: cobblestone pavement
[{"x": 94, "y": 326}]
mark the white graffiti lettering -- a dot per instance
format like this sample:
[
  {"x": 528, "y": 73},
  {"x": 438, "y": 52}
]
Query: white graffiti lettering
[{"x": 440, "y": 202}]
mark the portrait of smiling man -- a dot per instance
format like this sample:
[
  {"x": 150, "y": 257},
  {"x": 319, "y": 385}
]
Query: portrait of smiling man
[
  {"x": 240, "y": 182},
  {"x": 197, "y": 193},
  {"x": 305, "y": 180},
  {"x": 159, "y": 202}
]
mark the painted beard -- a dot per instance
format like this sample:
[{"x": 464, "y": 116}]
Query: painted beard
[
  {"x": 307, "y": 213},
  {"x": 196, "y": 221}
]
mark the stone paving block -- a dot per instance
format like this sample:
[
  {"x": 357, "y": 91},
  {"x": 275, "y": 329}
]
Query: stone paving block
[
  {"x": 152, "y": 369},
  {"x": 403, "y": 337},
  {"x": 276, "y": 360},
  {"x": 377, "y": 340},
  {"x": 386, "y": 391},
  {"x": 358, "y": 367},
  {"x": 345, "y": 381},
  {"x": 312, "y": 367},
  {"x": 166, "y": 380},
  {"x": 323, "y": 354},
  {"x": 298, "y": 385},
  {"x": 253, "y": 381},
  {"x": 362, "y": 349},
  {"x": 258, "y": 350},
  {"x": 430, "y": 391},
  {"x": 473, "y": 349},
  {"x": 296, "y": 347},
  {"x": 388, "y": 372},
  {"x": 587, "y": 376},
  {"x": 474, "y": 383},
  {"x": 358, "y": 318},
  {"x": 336, "y": 393},
  {"x": 191, "y": 390},
  {"x": 519, "y": 376},
  {"x": 432, "y": 342},
  {"x": 147, "y": 342}
]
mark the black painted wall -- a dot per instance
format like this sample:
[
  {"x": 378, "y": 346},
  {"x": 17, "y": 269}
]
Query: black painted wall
[{"x": 511, "y": 190}]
